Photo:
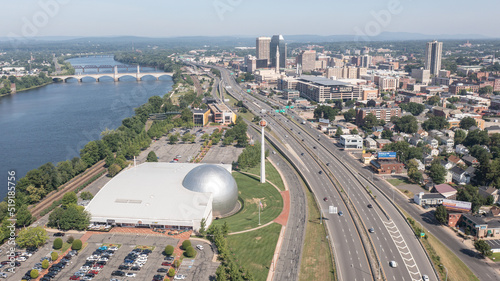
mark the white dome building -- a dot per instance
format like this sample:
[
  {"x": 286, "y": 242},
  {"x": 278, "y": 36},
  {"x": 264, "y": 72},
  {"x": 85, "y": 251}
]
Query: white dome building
[{"x": 216, "y": 180}]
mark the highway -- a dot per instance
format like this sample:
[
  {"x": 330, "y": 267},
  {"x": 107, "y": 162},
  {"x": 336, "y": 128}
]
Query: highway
[{"x": 393, "y": 238}]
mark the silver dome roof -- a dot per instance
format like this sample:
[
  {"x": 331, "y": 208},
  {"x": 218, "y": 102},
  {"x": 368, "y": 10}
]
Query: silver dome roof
[{"x": 218, "y": 181}]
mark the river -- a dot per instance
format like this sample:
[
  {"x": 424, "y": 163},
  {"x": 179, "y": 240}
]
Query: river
[{"x": 52, "y": 123}]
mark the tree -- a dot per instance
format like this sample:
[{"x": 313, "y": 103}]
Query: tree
[
  {"x": 225, "y": 228},
  {"x": 23, "y": 216},
  {"x": 186, "y": 244},
  {"x": 477, "y": 137},
  {"x": 113, "y": 170},
  {"x": 437, "y": 171},
  {"x": 354, "y": 131},
  {"x": 414, "y": 108},
  {"x": 85, "y": 195},
  {"x": 435, "y": 123},
  {"x": 70, "y": 239},
  {"x": 349, "y": 115},
  {"x": 203, "y": 225},
  {"x": 190, "y": 252},
  {"x": 32, "y": 237},
  {"x": 152, "y": 157},
  {"x": 339, "y": 132},
  {"x": 73, "y": 217},
  {"x": 169, "y": 250},
  {"x": 485, "y": 90},
  {"x": 173, "y": 138},
  {"x": 386, "y": 134},
  {"x": 467, "y": 122},
  {"x": 34, "y": 273},
  {"x": 76, "y": 245},
  {"x": 205, "y": 136},
  {"x": 441, "y": 214},
  {"x": 45, "y": 264},
  {"x": 69, "y": 198},
  {"x": 460, "y": 136},
  {"x": 406, "y": 124},
  {"x": 177, "y": 263},
  {"x": 171, "y": 272},
  {"x": 54, "y": 256},
  {"x": 483, "y": 247},
  {"x": 58, "y": 243},
  {"x": 434, "y": 100},
  {"x": 370, "y": 121},
  {"x": 371, "y": 103}
]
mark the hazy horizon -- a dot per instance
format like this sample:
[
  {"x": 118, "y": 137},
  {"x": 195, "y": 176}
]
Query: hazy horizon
[{"x": 92, "y": 18}]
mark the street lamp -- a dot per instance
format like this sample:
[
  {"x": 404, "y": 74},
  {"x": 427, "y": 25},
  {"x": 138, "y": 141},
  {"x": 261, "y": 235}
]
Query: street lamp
[{"x": 446, "y": 279}]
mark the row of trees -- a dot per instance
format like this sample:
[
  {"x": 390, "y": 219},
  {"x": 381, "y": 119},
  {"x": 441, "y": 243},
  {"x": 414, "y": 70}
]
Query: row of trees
[{"x": 25, "y": 82}]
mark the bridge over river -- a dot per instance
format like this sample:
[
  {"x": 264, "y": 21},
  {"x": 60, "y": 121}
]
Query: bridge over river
[{"x": 115, "y": 75}]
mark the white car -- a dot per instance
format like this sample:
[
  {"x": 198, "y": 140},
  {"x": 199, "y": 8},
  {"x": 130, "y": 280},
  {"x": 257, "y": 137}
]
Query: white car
[
  {"x": 179, "y": 277},
  {"x": 21, "y": 258},
  {"x": 200, "y": 247},
  {"x": 425, "y": 278},
  {"x": 393, "y": 264},
  {"x": 113, "y": 248},
  {"x": 130, "y": 274},
  {"x": 3, "y": 275}
]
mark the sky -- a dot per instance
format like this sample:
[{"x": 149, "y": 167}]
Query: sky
[{"x": 172, "y": 18}]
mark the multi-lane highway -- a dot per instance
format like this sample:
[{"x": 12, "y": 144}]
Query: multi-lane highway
[{"x": 392, "y": 237}]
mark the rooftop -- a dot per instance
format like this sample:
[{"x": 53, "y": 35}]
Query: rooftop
[{"x": 322, "y": 80}]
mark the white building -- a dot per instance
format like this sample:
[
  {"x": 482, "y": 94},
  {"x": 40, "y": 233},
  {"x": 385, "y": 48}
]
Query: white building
[{"x": 351, "y": 141}]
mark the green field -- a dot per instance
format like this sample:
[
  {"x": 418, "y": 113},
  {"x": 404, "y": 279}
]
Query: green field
[
  {"x": 396, "y": 182},
  {"x": 250, "y": 192},
  {"x": 272, "y": 174},
  {"x": 495, "y": 257},
  {"x": 317, "y": 262},
  {"x": 255, "y": 249}
]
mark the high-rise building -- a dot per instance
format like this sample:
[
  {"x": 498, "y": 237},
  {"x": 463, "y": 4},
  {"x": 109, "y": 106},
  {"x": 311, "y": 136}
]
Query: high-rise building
[
  {"x": 307, "y": 59},
  {"x": 263, "y": 50},
  {"x": 278, "y": 42},
  {"x": 366, "y": 61},
  {"x": 433, "y": 52}
]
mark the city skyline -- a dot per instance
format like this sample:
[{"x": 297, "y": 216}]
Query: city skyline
[{"x": 224, "y": 18}]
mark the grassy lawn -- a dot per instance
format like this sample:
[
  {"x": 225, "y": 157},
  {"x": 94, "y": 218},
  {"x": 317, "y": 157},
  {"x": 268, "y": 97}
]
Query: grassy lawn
[
  {"x": 317, "y": 262},
  {"x": 255, "y": 249},
  {"x": 247, "y": 115},
  {"x": 408, "y": 193},
  {"x": 250, "y": 191},
  {"x": 495, "y": 257},
  {"x": 440, "y": 254},
  {"x": 143, "y": 247},
  {"x": 396, "y": 182},
  {"x": 272, "y": 174}
]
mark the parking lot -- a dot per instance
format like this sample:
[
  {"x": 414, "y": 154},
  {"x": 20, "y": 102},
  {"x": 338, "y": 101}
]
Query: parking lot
[{"x": 127, "y": 244}]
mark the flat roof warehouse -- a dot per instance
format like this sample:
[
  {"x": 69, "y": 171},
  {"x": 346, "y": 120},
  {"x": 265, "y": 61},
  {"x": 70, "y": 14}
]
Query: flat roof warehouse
[{"x": 153, "y": 195}]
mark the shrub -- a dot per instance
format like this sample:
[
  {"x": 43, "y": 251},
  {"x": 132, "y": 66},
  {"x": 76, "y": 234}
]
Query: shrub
[
  {"x": 190, "y": 252},
  {"x": 177, "y": 263},
  {"x": 76, "y": 245},
  {"x": 171, "y": 272},
  {"x": 186, "y": 244},
  {"x": 45, "y": 264},
  {"x": 58, "y": 243},
  {"x": 34, "y": 273},
  {"x": 70, "y": 240},
  {"x": 169, "y": 250},
  {"x": 54, "y": 256}
]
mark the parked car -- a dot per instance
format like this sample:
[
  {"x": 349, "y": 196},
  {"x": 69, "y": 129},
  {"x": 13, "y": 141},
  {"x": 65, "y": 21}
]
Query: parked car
[
  {"x": 59, "y": 234},
  {"x": 200, "y": 247},
  {"x": 130, "y": 274},
  {"x": 179, "y": 277},
  {"x": 162, "y": 269},
  {"x": 118, "y": 273}
]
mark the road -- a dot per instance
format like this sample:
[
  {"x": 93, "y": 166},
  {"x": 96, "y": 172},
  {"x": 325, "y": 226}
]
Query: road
[
  {"x": 354, "y": 264},
  {"x": 393, "y": 238}
]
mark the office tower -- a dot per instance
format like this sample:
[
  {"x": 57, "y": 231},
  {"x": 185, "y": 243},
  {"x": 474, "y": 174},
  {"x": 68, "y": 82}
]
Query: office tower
[
  {"x": 277, "y": 41},
  {"x": 366, "y": 61},
  {"x": 307, "y": 59},
  {"x": 433, "y": 53},
  {"x": 263, "y": 50}
]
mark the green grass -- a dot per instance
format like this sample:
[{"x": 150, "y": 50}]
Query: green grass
[
  {"x": 65, "y": 247},
  {"x": 143, "y": 247},
  {"x": 495, "y": 257},
  {"x": 255, "y": 249},
  {"x": 396, "y": 182},
  {"x": 247, "y": 115},
  {"x": 317, "y": 262},
  {"x": 250, "y": 191},
  {"x": 272, "y": 174}
]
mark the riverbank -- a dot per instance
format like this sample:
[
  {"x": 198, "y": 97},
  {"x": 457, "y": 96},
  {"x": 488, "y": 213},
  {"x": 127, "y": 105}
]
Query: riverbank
[{"x": 27, "y": 89}]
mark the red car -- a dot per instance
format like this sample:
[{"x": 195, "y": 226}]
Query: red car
[
  {"x": 74, "y": 277},
  {"x": 166, "y": 263},
  {"x": 94, "y": 272}
]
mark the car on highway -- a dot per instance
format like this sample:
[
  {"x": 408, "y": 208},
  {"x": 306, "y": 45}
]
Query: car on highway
[
  {"x": 371, "y": 230},
  {"x": 393, "y": 264},
  {"x": 325, "y": 199},
  {"x": 320, "y": 172},
  {"x": 314, "y": 147},
  {"x": 370, "y": 206},
  {"x": 341, "y": 213},
  {"x": 425, "y": 278}
]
